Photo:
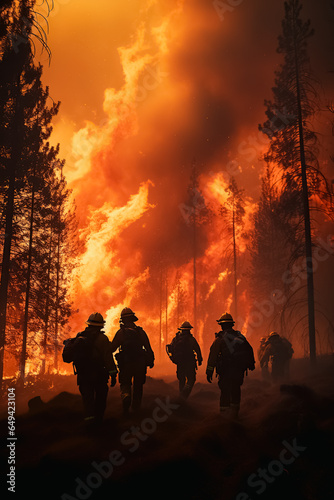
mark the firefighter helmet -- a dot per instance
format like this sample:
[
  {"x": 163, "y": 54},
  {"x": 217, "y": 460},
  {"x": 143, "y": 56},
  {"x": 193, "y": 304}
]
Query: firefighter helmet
[
  {"x": 185, "y": 326},
  {"x": 273, "y": 334},
  {"x": 95, "y": 319},
  {"x": 225, "y": 318},
  {"x": 128, "y": 313}
]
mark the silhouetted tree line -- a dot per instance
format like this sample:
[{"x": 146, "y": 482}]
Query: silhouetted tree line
[
  {"x": 294, "y": 189},
  {"x": 37, "y": 217}
]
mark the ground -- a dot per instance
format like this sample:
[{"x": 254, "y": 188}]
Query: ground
[{"x": 281, "y": 445}]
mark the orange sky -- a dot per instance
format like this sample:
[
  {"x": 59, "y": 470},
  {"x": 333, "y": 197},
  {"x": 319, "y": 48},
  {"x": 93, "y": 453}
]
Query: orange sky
[{"x": 85, "y": 59}]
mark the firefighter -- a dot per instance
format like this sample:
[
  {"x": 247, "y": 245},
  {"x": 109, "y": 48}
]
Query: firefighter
[
  {"x": 185, "y": 352},
  {"x": 263, "y": 361},
  {"x": 92, "y": 357},
  {"x": 231, "y": 355},
  {"x": 278, "y": 351},
  {"x": 135, "y": 354},
  {"x": 289, "y": 353}
]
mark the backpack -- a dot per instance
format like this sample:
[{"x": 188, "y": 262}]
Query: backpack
[
  {"x": 238, "y": 353},
  {"x": 181, "y": 349},
  {"x": 288, "y": 350},
  {"x": 80, "y": 351},
  {"x": 132, "y": 344},
  {"x": 280, "y": 349}
]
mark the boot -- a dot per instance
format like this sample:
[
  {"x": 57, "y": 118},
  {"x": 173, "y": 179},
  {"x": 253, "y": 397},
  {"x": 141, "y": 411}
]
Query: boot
[
  {"x": 186, "y": 391},
  {"x": 126, "y": 402}
]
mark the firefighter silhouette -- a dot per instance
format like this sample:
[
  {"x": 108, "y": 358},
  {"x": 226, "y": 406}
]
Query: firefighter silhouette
[
  {"x": 278, "y": 352},
  {"x": 185, "y": 352},
  {"x": 93, "y": 361},
  {"x": 231, "y": 355},
  {"x": 135, "y": 354}
]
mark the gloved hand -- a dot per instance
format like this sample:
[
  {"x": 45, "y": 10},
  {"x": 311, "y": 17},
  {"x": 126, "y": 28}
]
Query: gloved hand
[
  {"x": 113, "y": 380},
  {"x": 209, "y": 377}
]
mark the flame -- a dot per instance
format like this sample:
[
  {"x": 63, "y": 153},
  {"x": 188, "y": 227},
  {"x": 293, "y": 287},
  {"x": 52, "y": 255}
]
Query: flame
[
  {"x": 223, "y": 275},
  {"x": 216, "y": 188},
  {"x": 228, "y": 302},
  {"x": 211, "y": 289},
  {"x": 105, "y": 226}
]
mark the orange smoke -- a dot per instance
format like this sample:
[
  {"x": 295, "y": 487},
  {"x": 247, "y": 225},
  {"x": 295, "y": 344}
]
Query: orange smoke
[{"x": 167, "y": 100}]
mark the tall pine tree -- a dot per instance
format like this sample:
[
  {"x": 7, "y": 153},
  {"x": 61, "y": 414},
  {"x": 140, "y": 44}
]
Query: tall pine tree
[
  {"x": 293, "y": 145},
  {"x": 233, "y": 212},
  {"x": 33, "y": 194}
]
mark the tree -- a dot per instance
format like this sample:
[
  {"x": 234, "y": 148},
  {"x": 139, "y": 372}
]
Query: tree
[
  {"x": 15, "y": 85},
  {"x": 53, "y": 262},
  {"x": 293, "y": 145},
  {"x": 233, "y": 212},
  {"x": 32, "y": 188},
  {"x": 195, "y": 213},
  {"x": 276, "y": 241}
]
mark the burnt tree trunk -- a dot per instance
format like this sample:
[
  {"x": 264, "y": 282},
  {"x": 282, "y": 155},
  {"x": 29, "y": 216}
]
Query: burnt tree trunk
[
  {"x": 16, "y": 150},
  {"x": 307, "y": 221},
  {"x": 27, "y": 294}
]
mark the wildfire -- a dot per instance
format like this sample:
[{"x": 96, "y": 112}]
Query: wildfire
[
  {"x": 105, "y": 226},
  {"x": 223, "y": 275},
  {"x": 130, "y": 173}
]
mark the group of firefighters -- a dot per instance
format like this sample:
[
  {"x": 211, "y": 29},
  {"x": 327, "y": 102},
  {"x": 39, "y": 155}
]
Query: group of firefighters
[{"x": 231, "y": 356}]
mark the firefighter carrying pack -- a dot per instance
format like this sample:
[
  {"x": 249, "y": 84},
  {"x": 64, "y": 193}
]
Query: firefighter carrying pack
[
  {"x": 288, "y": 350},
  {"x": 132, "y": 349},
  {"x": 80, "y": 351},
  {"x": 236, "y": 353},
  {"x": 181, "y": 350}
]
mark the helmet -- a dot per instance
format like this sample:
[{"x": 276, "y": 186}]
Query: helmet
[
  {"x": 95, "y": 319},
  {"x": 273, "y": 334},
  {"x": 185, "y": 326},
  {"x": 128, "y": 313},
  {"x": 225, "y": 318}
]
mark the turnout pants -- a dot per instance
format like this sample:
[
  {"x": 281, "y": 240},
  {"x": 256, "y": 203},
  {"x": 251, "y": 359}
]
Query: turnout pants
[
  {"x": 230, "y": 387},
  {"x": 94, "y": 398},
  {"x": 132, "y": 377},
  {"x": 186, "y": 375}
]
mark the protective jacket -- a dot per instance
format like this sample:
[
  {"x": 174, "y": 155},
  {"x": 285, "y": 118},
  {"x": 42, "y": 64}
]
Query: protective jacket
[
  {"x": 100, "y": 363},
  {"x": 230, "y": 353},
  {"x": 134, "y": 346},
  {"x": 278, "y": 349},
  {"x": 185, "y": 349},
  {"x": 135, "y": 354}
]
